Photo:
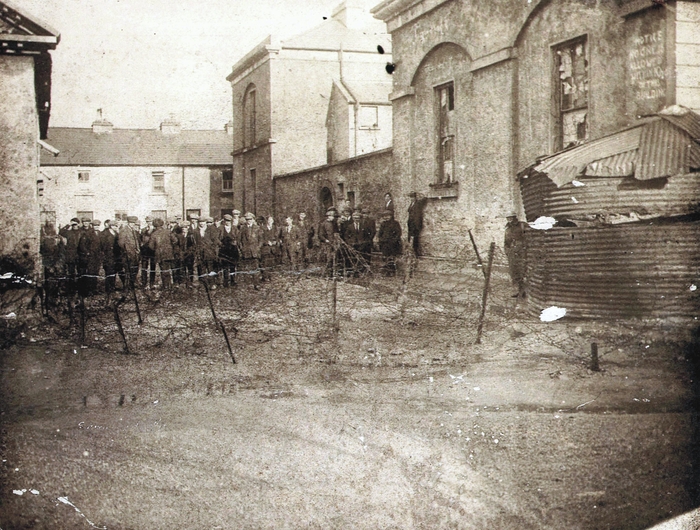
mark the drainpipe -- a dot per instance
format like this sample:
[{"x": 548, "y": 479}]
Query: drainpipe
[{"x": 184, "y": 217}]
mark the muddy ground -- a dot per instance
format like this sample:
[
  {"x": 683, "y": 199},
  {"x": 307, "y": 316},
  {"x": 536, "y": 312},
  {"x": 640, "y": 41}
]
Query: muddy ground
[{"x": 388, "y": 416}]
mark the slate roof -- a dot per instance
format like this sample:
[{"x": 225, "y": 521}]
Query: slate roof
[
  {"x": 376, "y": 92},
  {"x": 331, "y": 34},
  {"x": 138, "y": 147}
]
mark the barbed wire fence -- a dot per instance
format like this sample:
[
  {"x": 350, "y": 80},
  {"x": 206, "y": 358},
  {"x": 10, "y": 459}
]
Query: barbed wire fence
[{"x": 318, "y": 310}]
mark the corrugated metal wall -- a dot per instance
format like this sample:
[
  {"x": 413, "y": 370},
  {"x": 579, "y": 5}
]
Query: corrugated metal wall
[
  {"x": 620, "y": 271},
  {"x": 678, "y": 195}
]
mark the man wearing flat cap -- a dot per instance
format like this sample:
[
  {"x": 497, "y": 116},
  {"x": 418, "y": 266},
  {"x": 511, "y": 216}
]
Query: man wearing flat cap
[
  {"x": 389, "y": 242},
  {"x": 130, "y": 243},
  {"x": 228, "y": 250},
  {"x": 415, "y": 221},
  {"x": 249, "y": 243},
  {"x": 328, "y": 239},
  {"x": 71, "y": 233},
  {"x": 148, "y": 265},
  {"x": 161, "y": 243},
  {"x": 89, "y": 258}
]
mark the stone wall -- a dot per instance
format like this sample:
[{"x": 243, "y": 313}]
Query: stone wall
[
  {"x": 19, "y": 167},
  {"x": 368, "y": 176}
]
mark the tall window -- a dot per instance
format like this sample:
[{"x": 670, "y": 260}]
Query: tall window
[
  {"x": 158, "y": 181},
  {"x": 445, "y": 97},
  {"x": 571, "y": 93},
  {"x": 227, "y": 180},
  {"x": 249, "y": 117}
]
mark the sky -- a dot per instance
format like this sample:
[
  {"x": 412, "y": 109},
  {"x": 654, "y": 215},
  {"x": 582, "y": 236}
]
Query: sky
[{"x": 144, "y": 61}]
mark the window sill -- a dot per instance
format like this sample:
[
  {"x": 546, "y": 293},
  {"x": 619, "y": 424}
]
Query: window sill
[
  {"x": 226, "y": 191},
  {"x": 443, "y": 190}
]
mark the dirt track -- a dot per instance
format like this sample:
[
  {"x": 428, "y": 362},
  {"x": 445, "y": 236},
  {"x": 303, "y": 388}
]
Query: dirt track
[{"x": 399, "y": 422}]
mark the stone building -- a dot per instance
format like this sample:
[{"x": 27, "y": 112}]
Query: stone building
[
  {"x": 359, "y": 118},
  {"x": 25, "y": 104},
  {"x": 106, "y": 173},
  {"x": 483, "y": 88},
  {"x": 281, "y": 93}
]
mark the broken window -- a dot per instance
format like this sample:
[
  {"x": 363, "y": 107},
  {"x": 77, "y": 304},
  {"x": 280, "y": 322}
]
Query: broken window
[
  {"x": 571, "y": 98},
  {"x": 445, "y": 97}
]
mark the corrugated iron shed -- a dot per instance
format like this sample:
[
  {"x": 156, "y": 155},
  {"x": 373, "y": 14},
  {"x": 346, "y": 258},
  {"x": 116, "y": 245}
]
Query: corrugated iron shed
[{"x": 621, "y": 271}]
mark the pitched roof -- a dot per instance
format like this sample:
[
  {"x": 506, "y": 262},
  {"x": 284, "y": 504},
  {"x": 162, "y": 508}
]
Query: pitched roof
[
  {"x": 376, "y": 92},
  {"x": 18, "y": 26},
  {"x": 332, "y": 34},
  {"x": 138, "y": 147}
]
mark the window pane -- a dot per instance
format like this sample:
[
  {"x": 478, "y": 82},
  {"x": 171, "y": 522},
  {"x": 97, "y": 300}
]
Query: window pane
[
  {"x": 574, "y": 127},
  {"x": 158, "y": 181},
  {"x": 83, "y": 176},
  {"x": 368, "y": 117}
]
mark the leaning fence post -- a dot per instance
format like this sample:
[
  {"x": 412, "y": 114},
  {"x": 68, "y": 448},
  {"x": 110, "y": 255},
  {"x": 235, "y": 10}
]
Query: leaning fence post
[
  {"x": 220, "y": 324},
  {"x": 476, "y": 251},
  {"x": 118, "y": 320},
  {"x": 484, "y": 297}
]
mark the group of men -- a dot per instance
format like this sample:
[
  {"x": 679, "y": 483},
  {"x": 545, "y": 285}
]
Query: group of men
[{"x": 215, "y": 253}]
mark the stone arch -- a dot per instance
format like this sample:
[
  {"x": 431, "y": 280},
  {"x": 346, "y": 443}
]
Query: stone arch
[
  {"x": 433, "y": 52},
  {"x": 534, "y": 13}
]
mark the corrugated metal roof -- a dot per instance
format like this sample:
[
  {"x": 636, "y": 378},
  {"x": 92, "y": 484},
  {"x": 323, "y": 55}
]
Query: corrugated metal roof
[
  {"x": 619, "y": 165},
  {"x": 684, "y": 119},
  {"x": 631, "y": 270},
  {"x": 661, "y": 147},
  {"x": 567, "y": 165},
  {"x": 663, "y": 151},
  {"x": 138, "y": 147}
]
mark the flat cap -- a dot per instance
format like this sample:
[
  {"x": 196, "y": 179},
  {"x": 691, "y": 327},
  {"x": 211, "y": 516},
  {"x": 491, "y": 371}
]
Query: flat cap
[
  {"x": 96, "y": 222},
  {"x": 194, "y": 216},
  {"x": 228, "y": 217},
  {"x": 132, "y": 219},
  {"x": 236, "y": 212},
  {"x": 249, "y": 215},
  {"x": 86, "y": 220},
  {"x": 75, "y": 221}
]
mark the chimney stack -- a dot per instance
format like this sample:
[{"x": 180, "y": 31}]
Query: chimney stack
[
  {"x": 170, "y": 127},
  {"x": 100, "y": 125}
]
